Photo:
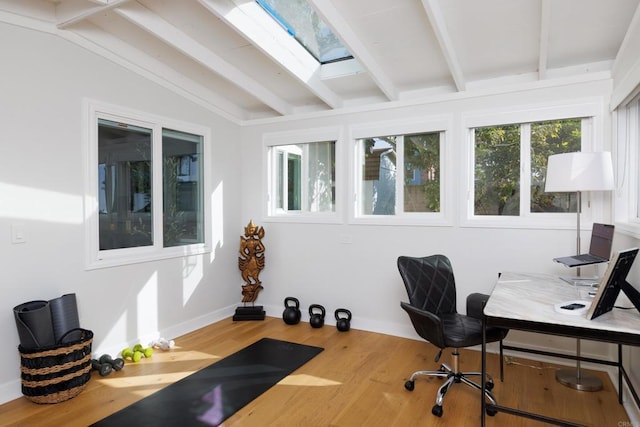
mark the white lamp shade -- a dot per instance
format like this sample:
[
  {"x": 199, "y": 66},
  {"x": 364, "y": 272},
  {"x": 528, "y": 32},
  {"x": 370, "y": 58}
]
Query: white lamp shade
[{"x": 580, "y": 171}]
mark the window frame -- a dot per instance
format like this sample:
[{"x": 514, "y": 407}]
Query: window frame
[
  {"x": 441, "y": 124},
  {"x": 295, "y": 137},
  {"x": 593, "y": 203},
  {"x": 96, "y": 258},
  {"x": 293, "y": 29},
  {"x": 627, "y": 158}
]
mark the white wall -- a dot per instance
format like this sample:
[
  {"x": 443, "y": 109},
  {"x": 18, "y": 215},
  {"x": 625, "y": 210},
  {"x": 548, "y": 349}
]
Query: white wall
[
  {"x": 43, "y": 82},
  {"x": 308, "y": 261}
]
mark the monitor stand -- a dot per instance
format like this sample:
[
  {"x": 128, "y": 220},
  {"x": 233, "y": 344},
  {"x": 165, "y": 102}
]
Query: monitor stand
[{"x": 632, "y": 293}]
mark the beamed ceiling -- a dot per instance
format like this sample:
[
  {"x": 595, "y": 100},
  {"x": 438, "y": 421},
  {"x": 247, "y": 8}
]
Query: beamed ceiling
[{"x": 230, "y": 57}]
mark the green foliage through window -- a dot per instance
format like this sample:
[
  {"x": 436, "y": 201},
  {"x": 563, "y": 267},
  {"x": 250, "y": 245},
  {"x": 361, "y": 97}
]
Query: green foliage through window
[
  {"x": 498, "y": 168},
  {"x": 420, "y": 168}
]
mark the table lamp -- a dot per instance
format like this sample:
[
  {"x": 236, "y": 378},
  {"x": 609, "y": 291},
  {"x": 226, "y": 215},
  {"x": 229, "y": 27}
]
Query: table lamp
[{"x": 578, "y": 172}]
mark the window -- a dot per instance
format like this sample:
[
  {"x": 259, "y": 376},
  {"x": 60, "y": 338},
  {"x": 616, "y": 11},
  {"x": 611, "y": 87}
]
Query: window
[
  {"x": 402, "y": 172},
  {"x": 507, "y": 153},
  {"x": 399, "y": 174},
  {"x": 627, "y": 160},
  {"x": 305, "y": 177},
  {"x": 146, "y": 188},
  {"x": 510, "y": 164},
  {"x": 635, "y": 140},
  {"x": 299, "y": 19},
  {"x": 301, "y": 176}
]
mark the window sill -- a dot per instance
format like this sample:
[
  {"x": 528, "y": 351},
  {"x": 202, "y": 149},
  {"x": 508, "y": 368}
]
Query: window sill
[
  {"x": 630, "y": 229},
  {"x": 128, "y": 257}
]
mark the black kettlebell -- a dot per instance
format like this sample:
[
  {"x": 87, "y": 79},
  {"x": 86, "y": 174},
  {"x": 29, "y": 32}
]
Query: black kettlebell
[
  {"x": 316, "y": 320},
  {"x": 343, "y": 323},
  {"x": 291, "y": 314}
]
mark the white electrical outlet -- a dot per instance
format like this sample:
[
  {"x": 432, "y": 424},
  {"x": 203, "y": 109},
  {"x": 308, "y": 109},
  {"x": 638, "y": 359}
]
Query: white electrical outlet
[
  {"x": 346, "y": 239},
  {"x": 18, "y": 234}
]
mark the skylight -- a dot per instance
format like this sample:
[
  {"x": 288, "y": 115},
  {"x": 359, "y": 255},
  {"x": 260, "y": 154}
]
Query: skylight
[{"x": 299, "y": 19}]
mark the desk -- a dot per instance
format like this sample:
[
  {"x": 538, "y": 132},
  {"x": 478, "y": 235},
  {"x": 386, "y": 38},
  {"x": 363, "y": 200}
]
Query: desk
[{"x": 526, "y": 302}]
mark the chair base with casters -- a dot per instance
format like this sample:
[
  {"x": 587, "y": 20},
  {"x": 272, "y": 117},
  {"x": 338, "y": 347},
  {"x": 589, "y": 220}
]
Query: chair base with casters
[
  {"x": 430, "y": 285},
  {"x": 452, "y": 376}
]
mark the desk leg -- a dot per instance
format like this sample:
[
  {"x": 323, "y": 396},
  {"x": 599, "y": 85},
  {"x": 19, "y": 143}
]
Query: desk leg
[
  {"x": 484, "y": 372},
  {"x": 620, "y": 373}
]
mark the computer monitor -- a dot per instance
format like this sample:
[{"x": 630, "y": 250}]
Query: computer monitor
[{"x": 614, "y": 281}]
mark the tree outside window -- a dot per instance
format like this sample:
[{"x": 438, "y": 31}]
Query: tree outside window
[
  {"x": 499, "y": 153},
  {"x": 399, "y": 174}
]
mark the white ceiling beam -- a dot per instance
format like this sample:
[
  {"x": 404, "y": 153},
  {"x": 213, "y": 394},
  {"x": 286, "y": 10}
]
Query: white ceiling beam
[
  {"x": 330, "y": 15},
  {"x": 253, "y": 23},
  {"x": 543, "y": 49},
  {"x": 72, "y": 12},
  {"x": 168, "y": 33},
  {"x": 439, "y": 26},
  {"x": 121, "y": 53}
]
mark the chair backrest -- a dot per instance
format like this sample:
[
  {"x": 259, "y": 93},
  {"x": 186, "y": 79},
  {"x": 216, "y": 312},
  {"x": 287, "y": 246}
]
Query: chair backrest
[{"x": 429, "y": 282}]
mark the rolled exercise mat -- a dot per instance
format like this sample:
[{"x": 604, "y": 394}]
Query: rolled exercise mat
[
  {"x": 35, "y": 328},
  {"x": 64, "y": 315}
]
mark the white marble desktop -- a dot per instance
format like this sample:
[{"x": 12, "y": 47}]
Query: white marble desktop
[{"x": 531, "y": 297}]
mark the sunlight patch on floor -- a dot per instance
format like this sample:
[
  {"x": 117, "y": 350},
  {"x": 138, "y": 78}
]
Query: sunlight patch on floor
[
  {"x": 307, "y": 380},
  {"x": 159, "y": 380}
]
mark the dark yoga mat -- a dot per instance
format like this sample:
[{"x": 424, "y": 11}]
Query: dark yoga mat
[
  {"x": 216, "y": 392},
  {"x": 64, "y": 315},
  {"x": 35, "y": 328}
]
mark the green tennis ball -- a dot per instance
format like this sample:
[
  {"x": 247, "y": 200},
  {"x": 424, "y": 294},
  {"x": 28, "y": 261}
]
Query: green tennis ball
[
  {"x": 138, "y": 347},
  {"x": 137, "y": 355},
  {"x": 148, "y": 352},
  {"x": 127, "y": 353}
]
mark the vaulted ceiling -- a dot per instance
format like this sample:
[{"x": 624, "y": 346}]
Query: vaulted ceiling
[{"x": 229, "y": 56}]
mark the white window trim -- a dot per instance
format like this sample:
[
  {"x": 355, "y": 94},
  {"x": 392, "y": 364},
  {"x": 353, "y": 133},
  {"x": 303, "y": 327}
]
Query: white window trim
[
  {"x": 407, "y": 126},
  {"x": 94, "y": 258},
  {"x": 305, "y": 136},
  {"x": 626, "y": 133},
  {"x": 593, "y": 203}
]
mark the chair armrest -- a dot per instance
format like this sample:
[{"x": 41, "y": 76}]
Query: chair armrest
[
  {"x": 428, "y": 325},
  {"x": 475, "y": 304}
]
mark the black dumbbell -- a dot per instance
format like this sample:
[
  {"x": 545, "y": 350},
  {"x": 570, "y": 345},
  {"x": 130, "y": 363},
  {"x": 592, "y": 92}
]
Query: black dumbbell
[
  {"x": 103, "y": 368},
  {"x": 116, "y": 364}
]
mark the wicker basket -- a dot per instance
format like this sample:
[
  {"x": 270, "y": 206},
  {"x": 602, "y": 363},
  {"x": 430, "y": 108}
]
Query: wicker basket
[{"x": 57, "y": 373}]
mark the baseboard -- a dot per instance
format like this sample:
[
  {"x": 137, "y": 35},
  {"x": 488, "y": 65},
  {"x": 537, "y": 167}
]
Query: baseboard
[
  {"x": 627, "y": 400},
  {"x": 10, "y": 391},
  {"x": 169, "y": 333}
]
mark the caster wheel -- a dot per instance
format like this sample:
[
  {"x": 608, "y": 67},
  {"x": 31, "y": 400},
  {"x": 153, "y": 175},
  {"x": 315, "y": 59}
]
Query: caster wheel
[
  {"x": 488, "y": 386},
  {"x": 491, "y": 412},
  {"x": 436, "y": 410},
  {"x": 409, "y": 385}
]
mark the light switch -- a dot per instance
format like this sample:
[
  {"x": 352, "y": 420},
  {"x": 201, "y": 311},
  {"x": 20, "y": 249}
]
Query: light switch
[
  {"x": 346, "y": 239},
  {"x": 18, "y": 234}
]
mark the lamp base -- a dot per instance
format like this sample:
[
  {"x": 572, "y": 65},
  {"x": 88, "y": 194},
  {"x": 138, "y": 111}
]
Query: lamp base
[{"x": 584, "y": 382}]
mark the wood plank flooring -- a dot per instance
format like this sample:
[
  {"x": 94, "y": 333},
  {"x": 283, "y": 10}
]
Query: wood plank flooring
[{"x": 357, "y": 380}]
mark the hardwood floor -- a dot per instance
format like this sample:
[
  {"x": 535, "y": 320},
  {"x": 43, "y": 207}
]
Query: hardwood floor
[{"x": 357, "y": 380}]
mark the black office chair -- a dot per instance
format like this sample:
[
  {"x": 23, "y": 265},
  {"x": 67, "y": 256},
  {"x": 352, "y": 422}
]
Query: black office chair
[{"x": 432, "y": 309}]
